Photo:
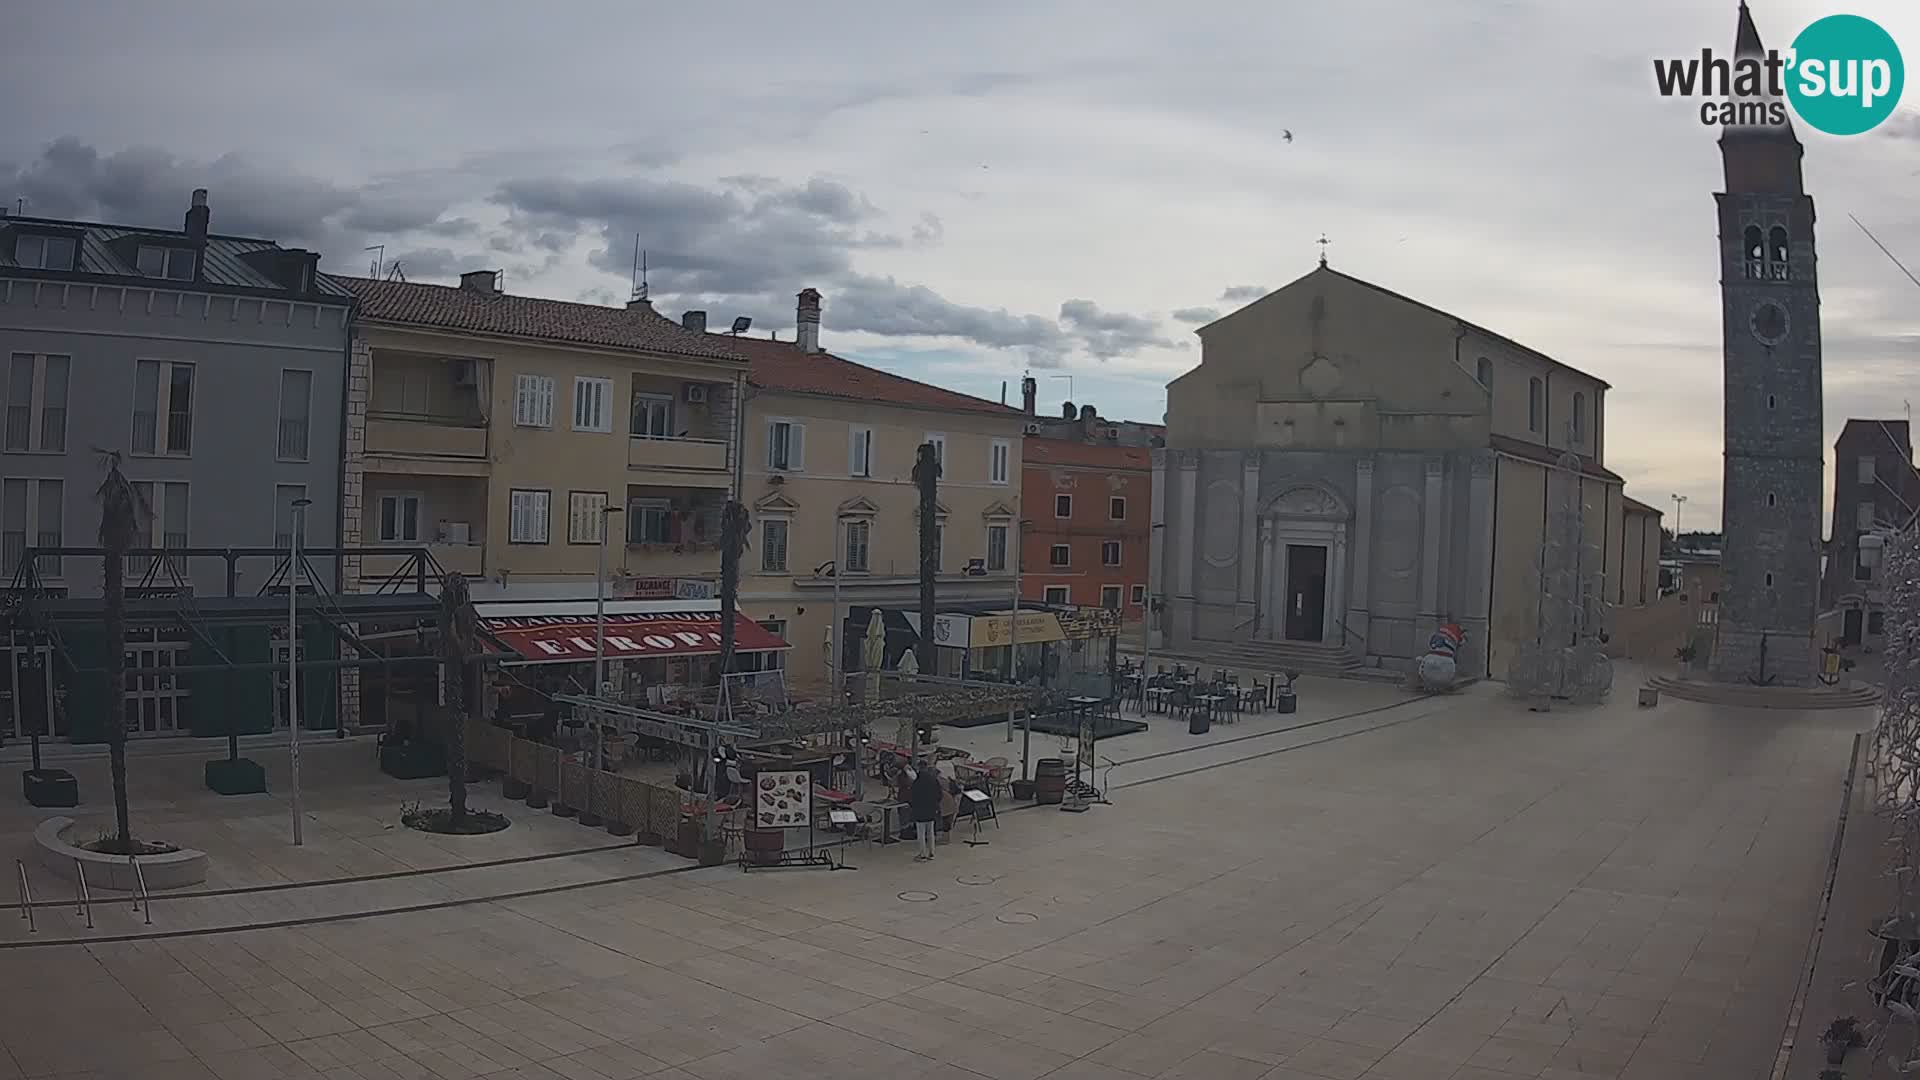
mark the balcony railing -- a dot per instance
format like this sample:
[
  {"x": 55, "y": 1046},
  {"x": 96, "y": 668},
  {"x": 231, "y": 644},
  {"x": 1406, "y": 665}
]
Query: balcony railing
[
  {"x": 47, "y": 566},
  {"x": 293, "y": 439},
  {"x": 687, "y": 455},
  {"x": 402, "y": 433},
  {"x": 53, "y": 428}
]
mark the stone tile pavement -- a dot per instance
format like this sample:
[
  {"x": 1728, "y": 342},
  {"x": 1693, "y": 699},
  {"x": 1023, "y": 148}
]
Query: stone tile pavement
[{"x": 1478, "y": 893}]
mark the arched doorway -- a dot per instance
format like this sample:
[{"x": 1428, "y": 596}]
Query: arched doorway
[{"x": 1303, "y": 557}]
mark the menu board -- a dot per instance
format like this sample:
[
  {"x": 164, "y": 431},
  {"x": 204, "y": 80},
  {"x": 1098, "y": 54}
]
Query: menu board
[{"x": 782, "y": 800}]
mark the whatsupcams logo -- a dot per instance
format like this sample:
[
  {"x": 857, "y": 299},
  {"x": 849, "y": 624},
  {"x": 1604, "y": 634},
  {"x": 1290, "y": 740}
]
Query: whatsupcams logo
[{"x": 1842, "y": 76}]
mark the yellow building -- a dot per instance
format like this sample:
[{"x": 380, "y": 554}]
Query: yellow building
[
  {"x": 496, "y": 430},
  {"x": 827, "y": 468}
]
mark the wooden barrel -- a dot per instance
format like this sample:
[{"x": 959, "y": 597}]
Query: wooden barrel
[{"x": 1049, "y": 781}]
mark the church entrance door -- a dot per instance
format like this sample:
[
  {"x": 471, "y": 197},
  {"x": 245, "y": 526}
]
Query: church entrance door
[{"x": 1306, "y": 592}]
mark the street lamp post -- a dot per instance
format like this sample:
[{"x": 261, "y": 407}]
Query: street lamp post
[
  {"x": 1146, "y": 644},
  {"x": 1678, "y": 502},
  {"x": 839, "y": 645},
  {"x": 600, "y": 637},
  {"x": 293, "y": 660}
]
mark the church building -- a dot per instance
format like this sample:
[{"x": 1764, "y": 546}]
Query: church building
[{"x": 1348, "y": 469}]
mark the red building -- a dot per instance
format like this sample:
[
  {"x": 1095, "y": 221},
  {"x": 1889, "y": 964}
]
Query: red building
[{"x": 1089, "y": 509}]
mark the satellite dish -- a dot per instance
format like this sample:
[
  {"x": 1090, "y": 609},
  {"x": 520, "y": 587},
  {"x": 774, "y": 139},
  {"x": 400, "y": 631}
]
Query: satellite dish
[{"x": 740, "y": 323}]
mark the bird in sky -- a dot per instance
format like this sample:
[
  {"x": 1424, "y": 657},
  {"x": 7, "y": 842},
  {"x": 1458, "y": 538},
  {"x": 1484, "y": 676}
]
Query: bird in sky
[{"x": 1287, "y": 135}]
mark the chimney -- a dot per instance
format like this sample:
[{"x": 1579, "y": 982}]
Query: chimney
[
  {"x": 695, "y": 321},
  {"x": 1088, "y": 414},
  {"x": 1066, "y": 410},
  {"x": 197, "y": 216},
  {"x": 1029, "y": 394},
  {"x": 640, "y": 303},
  {"x": 807, "y": 321},
  {"x": 481, "y": 281}
]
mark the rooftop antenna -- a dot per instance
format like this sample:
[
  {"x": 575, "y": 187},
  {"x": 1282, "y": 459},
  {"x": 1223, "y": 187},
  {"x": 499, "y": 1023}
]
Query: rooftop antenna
[
  {"x": 380, "y": 252},
  {"x": 394, "y": 273},
  {"x": 639, "y": 284},
  {"x": 20, "y": 206},
  {"x": 1884, "y": 251}
]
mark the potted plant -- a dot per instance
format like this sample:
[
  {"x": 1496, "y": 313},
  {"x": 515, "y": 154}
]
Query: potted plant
[
  {"x": 1685, "y": 655},
  {"x": 1841, "y": 1036},
  {"x": 1284, "y": 699}
]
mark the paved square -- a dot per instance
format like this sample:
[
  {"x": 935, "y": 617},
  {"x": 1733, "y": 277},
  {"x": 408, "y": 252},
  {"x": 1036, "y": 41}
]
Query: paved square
[{"x": 1451, "y": 888}]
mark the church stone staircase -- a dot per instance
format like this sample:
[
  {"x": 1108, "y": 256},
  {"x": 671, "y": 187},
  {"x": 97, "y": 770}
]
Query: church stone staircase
[
  {"x": 1305, "y": 657},
  {"x": 1768, "y": 697}
]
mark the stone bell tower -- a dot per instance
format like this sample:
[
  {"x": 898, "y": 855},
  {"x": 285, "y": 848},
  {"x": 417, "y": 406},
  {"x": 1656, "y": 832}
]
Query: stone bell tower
[{"x": 1772, "y": 483}]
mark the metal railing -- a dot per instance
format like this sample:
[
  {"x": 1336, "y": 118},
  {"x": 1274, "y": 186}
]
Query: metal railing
[
  {"x": 26, "y": 897},
  {"x": 141, "y": 898},
  {"x": 83, "y": 903}
]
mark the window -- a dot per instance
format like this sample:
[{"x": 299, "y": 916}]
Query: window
[
  {"x": 1139, "y": 597},
  {"x": 1769, "y": 581},
  {"x": 939, "y": 442},
  {"x": 166, "y": 525},
  {"x": 41, "y": 252},
  {"x": 1863, "y": 516},
  {"x": 857, "y": 547},
  {"x": 31, "y": 511},
  {"x": 786, "y": 446},
  {"x": 1770, "y": 401},
  {"x": 399, "y": 518},
  {"x": 1063, "y": 506},
  {"x": 1110, "y": 553},
  {"x": 173, "y": 263},
  {"x": 859, "y": 451},
  {"x": 162, "y": 407},
  {"x": 1060, "y": 555},
  {"x": 1117, "y": 508},
  {"x": 1534, "y": 390},
  {"x": 1579, "y": 418},
  {"x": 1110, "y": 597},
  {"x": 1769, "y": 498},
  {"x": 1864, "y": 470},
  {"x": 996, "y": 547},
  {"x": 296, "y": 401},
  {"x": 767, "y": 661},
  {"x": 533, "y": 401},
  {"x": 1713, "y": 597},
  {"x": 1861, "y": 571},
  {"x": 1876, "y": 622},
  {"x": 37, "y": 423},
  {"x": 651, "y": 416},
  {"x": 1483, "y": 371},
  {"x": 586, "y": 516},
  {"x": 527, "y": 517},
  {"x": 591, "y": 411},
  {"x": 1777, "y": 253},
  {"x": 649, "y": 521},
  {"x": 284, "y": 496},
  {"x": 773, "y": 545},
  {"x": 999, "y": 461},
  {"x": 1057, "y": 594}
]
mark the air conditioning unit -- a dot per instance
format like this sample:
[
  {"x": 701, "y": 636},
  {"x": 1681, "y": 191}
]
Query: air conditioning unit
[
  {"x": 1033, "y": 429},
  {"x": 465, "y": 372},
  {"x": 696, "y": 393},
  {"x": 1113, "y": 434}
]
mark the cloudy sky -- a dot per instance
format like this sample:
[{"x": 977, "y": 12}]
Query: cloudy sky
[{"x": 983, "y": 188}]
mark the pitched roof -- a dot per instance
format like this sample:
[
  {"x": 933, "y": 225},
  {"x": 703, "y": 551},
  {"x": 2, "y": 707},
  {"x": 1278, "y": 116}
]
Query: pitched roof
[
  {"x": 1549, "y": 456},
  {"x": 447, "y": 307},
  {"x": 1630, "y": 503},
  {"x": 1067, "y": 452},
  {"x": 228, "y": 262},
  {"x": 780, "y": 366}
]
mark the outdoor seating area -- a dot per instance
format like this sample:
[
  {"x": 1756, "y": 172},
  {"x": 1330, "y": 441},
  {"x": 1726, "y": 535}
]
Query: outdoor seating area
[{"x": 1222, "y": 695}]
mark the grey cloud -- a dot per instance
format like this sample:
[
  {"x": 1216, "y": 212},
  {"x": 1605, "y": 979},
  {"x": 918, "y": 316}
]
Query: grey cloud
[
  {"x": 1107, "y": 334},
  {"x": 1902, "y": 124},
  {"x": 1196, "y": 314},
  {"x": 885, "y": 306},
  {"x": 929, "y": 230},
  {"x": 422, "y": 264},
  {"x": 1235, "y": 293}
]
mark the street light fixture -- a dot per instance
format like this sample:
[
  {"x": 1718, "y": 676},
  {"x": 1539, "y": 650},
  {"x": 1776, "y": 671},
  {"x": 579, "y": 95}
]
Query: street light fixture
[{"x": 600, "y": 637}]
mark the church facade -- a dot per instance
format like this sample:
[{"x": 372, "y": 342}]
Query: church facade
[
  {"x": 1349, "y": 468},
  {"x": 1772, "y": 484}
]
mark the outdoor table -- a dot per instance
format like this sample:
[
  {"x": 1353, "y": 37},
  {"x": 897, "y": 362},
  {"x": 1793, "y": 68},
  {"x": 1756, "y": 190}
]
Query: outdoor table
[
  {"x": 1157, "y": 698},
  {"x": 889, "y": 827},
  {"x": 1210, "y": 702}
]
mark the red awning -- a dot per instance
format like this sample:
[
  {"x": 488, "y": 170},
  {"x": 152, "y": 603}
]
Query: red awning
[{"x": 565, "y": 638}]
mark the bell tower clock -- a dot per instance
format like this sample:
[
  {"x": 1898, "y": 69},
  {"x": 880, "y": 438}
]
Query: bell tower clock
[{"x": 1772, "y": 482}]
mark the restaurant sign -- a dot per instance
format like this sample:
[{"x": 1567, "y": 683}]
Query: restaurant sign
[
  {"x": 568, "y": 638},
  {"x": 665, "y": 588},
  {"x": 991, "y": 631}
]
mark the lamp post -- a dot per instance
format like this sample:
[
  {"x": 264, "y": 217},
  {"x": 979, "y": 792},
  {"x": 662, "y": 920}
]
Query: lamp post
[
  {"x": 1678, "y": 502},
  {"x": 600, "y": 637},
  {"x": 1146, "y": 644},
  {"x": 1013, "y": 626},
  {"x": 839, "y": 645},
  {"x": 293, "y": 660}
]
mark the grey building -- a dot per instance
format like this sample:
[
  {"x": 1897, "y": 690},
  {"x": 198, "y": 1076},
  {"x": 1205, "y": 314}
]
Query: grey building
[
  {"x": 1085, "y": 425},
  {"x": 1771, "y": 487},
  {"x": 1875, "y": 490},
  {"x": 213, "y": 364}
]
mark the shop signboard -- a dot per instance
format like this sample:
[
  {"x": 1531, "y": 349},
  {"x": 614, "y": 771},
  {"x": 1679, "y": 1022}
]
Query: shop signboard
[
  {"x": 993, "y": 631},
  {"x": 569, "y": 638},
  {"x": 695, "y": 589},
  {"x": 952, "y": 631},
  {"x": 783, "y": 800},
  {"x": 1089, "y": 622}
]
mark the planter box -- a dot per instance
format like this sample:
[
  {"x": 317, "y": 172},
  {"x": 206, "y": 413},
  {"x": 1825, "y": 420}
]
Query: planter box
[
  {"x": 514, "y": 789},
  {"x": 49, "y": 787},
  {"x": 619, "y": 828},
  {"x": 413, "y": 761},
  {"x": 169, "y": 871},
  {"x": 236, "y": 776},
  {"x": 1649, "y": 696},
  {"x": 537, "y": 799}
]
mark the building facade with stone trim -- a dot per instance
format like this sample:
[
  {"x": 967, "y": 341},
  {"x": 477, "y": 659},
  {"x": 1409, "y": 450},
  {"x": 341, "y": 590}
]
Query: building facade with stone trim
[{"x": 1351, "y": 468}]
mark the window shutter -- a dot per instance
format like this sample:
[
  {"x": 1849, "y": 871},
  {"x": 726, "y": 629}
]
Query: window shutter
[
  {"x": 773, "y": 446},
  {"x": 546, "y": 401},
  {"x": 797, "y": 447},
  {"x": 855, "y": 438}
]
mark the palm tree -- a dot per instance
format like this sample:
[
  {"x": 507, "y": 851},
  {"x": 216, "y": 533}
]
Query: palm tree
[
  {"x": 459, "y": 639},
  {"x": 122, "y": 513}
]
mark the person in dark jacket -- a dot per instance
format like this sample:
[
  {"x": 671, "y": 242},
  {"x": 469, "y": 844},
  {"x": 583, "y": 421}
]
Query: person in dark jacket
[{"x": 925, "y": 797}]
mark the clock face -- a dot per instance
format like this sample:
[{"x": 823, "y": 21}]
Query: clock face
[{"x": 1769, "y": 322}]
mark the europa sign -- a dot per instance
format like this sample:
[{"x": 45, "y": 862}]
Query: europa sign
[{"x": 571, "y": 637}]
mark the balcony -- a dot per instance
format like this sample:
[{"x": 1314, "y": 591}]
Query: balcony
[
  {"x": 462, "y": 558},
  {"x": 402, "y": 435},
  {"x": 680, "y": 462}
]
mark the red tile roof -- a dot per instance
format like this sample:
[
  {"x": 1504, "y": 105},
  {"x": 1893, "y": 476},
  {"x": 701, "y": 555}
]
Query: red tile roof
[
  {"x": 1039, "y": 451},
  {"x": 444, "y": 307},
  {"x": 780, "y": 366},
  {"x": 1546, "y": 456}
]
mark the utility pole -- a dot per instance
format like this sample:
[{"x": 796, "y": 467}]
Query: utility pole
[{"x": 293, "y": 660}]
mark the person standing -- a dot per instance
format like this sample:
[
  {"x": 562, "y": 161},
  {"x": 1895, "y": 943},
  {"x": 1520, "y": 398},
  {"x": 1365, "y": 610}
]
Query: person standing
[{"x": 925, "y": 799}]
